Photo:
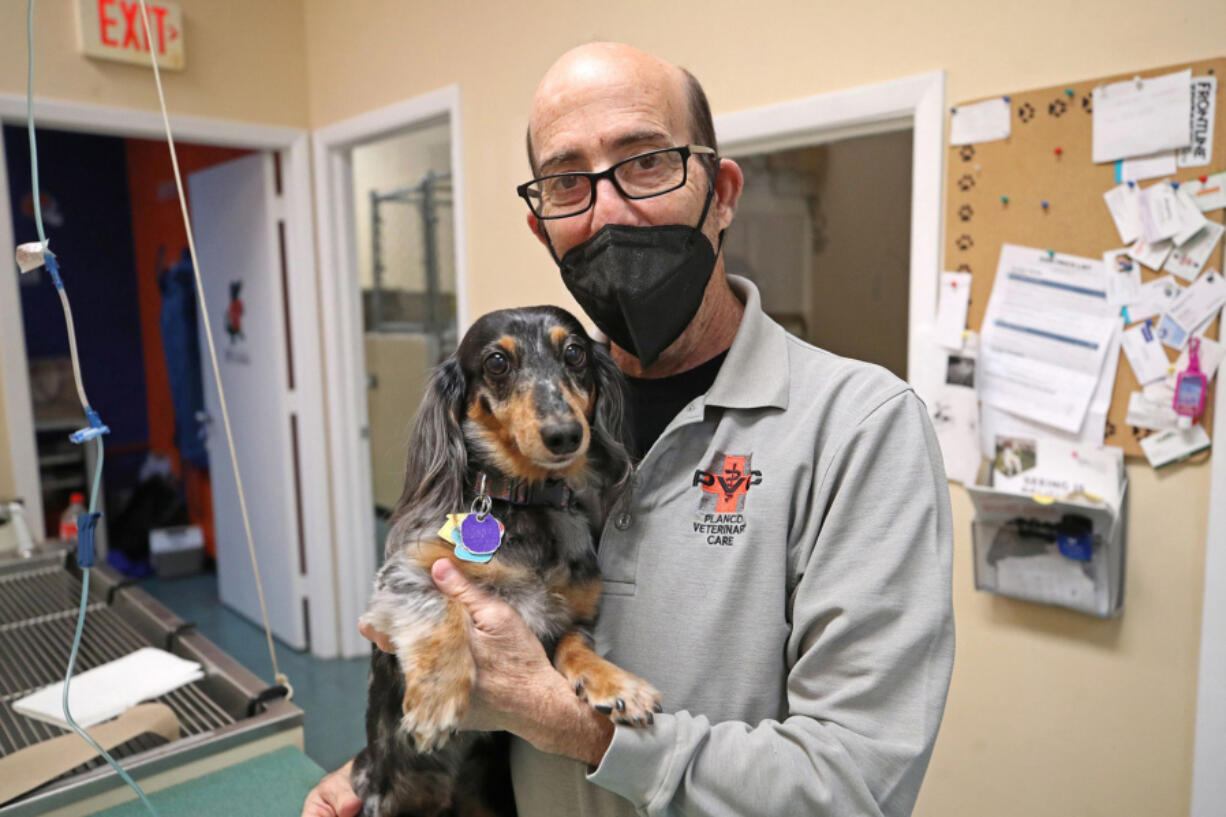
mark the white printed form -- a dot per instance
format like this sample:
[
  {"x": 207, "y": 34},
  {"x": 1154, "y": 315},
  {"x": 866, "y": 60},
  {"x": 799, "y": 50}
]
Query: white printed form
[
  {"x": 1046, "y": 333},
  {"x": 1138, "y": 117}
]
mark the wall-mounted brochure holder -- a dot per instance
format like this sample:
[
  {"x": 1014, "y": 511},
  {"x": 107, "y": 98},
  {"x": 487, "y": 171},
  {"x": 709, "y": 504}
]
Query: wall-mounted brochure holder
[{"x": 1069, "y": 552}]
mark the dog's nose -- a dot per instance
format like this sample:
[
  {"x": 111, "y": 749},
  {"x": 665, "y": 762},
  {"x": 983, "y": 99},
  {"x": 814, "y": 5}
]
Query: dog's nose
[{"x": 562, "y": 438}]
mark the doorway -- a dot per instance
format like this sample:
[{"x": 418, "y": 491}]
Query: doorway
[
  {"x": 824, "y": 231},
  {"x": 390, "y": 203}
]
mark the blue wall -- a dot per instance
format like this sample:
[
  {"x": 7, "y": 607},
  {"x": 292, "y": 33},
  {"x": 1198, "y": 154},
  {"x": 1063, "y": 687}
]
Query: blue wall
[{"x": 86, "y": 178}]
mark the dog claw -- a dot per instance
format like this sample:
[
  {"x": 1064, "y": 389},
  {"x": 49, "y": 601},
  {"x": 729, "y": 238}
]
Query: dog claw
[
  {"x": 602, "y": 709},
  {"x": 579, "y": 687},
  {"x": 659, "y": 707},
  {"x": 650, "y": 719},
  {"x": 621, "y": 705}
]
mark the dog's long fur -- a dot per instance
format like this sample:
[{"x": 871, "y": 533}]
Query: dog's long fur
[{"x": 545, "y": 418}]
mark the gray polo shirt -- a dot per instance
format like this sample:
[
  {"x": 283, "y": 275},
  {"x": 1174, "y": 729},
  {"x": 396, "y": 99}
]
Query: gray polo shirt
[{"x": 782, "y": 576}]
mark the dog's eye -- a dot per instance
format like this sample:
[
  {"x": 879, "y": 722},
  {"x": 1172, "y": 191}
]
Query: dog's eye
[
  {"x": 574, "y": 355},
  {"x": 497, "y": 364}
]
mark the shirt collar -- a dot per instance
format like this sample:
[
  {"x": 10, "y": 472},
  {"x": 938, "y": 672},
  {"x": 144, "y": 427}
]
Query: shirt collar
[{"x": 755, "y": 373}]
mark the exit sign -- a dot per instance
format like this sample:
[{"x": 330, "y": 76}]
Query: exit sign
[{"x": 115, "y": 30}]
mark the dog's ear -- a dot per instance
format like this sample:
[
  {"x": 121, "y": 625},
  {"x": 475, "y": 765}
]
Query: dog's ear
[
  {"x": 608, "y": 420},
  {"x": 437, "y": 460}
]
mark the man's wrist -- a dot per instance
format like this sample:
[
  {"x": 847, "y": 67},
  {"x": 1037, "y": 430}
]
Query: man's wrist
[{"x": 567, "y": 726}]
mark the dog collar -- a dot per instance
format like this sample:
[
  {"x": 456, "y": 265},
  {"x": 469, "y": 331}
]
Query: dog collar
[{"x": 552, "y": 493}]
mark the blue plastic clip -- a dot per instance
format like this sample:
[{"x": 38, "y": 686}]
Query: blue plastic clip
[
  {"x": 1124, "y": 312},
  {"x": 86, "y": 523},
  {"x": 52, "y": 267},
  {"x": 96, "y": 428}
]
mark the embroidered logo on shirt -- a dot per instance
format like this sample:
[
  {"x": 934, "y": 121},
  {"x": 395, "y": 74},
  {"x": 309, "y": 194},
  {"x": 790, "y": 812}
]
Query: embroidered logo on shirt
[{"x": 725, "y": 485}]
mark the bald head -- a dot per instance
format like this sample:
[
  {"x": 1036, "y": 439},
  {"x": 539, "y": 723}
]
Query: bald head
[{"x": 587, "y": 74}]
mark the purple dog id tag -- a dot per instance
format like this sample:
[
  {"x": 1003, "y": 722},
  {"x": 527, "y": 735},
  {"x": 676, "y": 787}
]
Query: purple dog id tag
[{"x": 481, "y": 536}]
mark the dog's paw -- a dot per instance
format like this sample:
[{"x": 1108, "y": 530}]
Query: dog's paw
[
  {"x": 432, "y": 712},
  {"x": 626, "y": 698}
]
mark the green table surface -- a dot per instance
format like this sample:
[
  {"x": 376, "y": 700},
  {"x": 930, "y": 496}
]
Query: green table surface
[{"x": 270, "y": 785}]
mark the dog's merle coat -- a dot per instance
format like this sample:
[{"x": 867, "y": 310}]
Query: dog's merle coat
[{"x": 529, "y": 398}]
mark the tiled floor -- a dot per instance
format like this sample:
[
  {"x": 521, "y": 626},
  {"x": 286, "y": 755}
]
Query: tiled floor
[{"x": 332, "y": 693}]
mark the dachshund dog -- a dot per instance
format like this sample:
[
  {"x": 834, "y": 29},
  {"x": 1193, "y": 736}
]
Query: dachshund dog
[{"x": 527, "y": 412}]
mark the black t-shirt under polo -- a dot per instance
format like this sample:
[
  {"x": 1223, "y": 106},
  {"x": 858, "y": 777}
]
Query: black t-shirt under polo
[{"x": 652, "y": 403}]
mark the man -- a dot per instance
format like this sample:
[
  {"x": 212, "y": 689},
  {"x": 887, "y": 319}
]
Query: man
[{"x": 781, "y": 573}]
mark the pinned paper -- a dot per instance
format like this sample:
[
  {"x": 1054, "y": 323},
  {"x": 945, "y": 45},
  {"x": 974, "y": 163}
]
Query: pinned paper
[
  {"x": 1196, "y": 305},
  {"x": 1145, "y": 354},
  {"x": 986, "y": 121},
  {"x": 1155, "y": 298},
  {"x": 1191, "y": 219},
  {"x": 955, "y": 296},
  {"x": 1138, "y": 117},
  {"x": 1204, "y": 102},
  {"x": 1209, "y": 194},
  {"x": 1152, "y": 409},
  {"x": 1124, "y": 202},
  {"x": 1160, "y": 214},
  {"x": 1187, "y": 260},
  {"x": 1172, "y": 446},
  {"x": 1151, "y": 255},
  {"x": 1123, "y": 278},
  {"x": 1146, "y": 167},
  {"x": 31, "y": 256}
]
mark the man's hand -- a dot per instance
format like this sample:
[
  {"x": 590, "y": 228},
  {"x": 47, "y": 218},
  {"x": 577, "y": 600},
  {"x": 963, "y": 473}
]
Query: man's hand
[{"x": 333, "y": 796}]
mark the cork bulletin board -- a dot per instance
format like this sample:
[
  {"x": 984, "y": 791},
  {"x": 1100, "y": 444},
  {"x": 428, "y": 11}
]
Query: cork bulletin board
[{"x": 1047, "y": 157}]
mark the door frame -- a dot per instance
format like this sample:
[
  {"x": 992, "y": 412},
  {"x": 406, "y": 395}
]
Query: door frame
[
  {"x": 306, "y": 400},
  {"x": 341, "y": 302},
  {"x": 916, "y": 102}
]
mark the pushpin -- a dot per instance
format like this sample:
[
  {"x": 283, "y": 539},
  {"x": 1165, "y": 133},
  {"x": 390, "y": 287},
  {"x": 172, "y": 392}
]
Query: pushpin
[
  {"x": 1043, "y": 204},
  {"x": 1007, "y": 99},
  {"x": 1068, "y": 91},
  {"x": 953, "y": 110},
  {"x": 1051, "y": 253},
  {"x": 1059, "y": 151},
  {"x": 1004, "y": 199},
  {"x": 1132, "y": 184},
  {"x": 1203, "y": 179},
  {"x": 1174, "y": 185}
]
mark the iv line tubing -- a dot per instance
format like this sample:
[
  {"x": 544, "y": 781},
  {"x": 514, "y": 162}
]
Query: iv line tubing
[{"x": 208, "y": 333}]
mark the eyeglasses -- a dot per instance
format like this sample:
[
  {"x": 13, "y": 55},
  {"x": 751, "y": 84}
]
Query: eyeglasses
[{"x": 653, "y": 173}]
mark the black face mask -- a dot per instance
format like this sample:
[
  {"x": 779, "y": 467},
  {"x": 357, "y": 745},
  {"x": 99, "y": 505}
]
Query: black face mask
[{"x": 641, "y": 285}]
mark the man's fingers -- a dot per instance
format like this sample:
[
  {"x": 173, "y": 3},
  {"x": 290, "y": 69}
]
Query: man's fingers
[
  {"x": 375, "y": 637},
  {"x": 487, "y": 612}
]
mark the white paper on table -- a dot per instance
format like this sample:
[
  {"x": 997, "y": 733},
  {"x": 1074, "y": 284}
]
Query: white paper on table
[
  {"x": 986, "y": 121},
  {"x": 1145, "y": 354},
  {"x": 1160, "y": 214},
  {"x": 1187, "y": 260},
  {"x": 1124, "y": 204},
  {"x": 1147, "y": 167},
  {"x": 1204, "y": 104},
  {"x": 1191, "y": 219},
  {"x": 1046, "y": 334},
  {"x": 111, "y": 689},
  {"x": 952, "y": 302},
  {"x": 1209, "y": 194},
  {"x": 1123, "y": 278},
  {"x": 1155, "y": 298},
  {"x": 1138, "y": 117}
]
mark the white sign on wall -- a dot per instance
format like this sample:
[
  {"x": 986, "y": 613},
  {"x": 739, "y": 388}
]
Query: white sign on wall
[{"x": 115, "y": 30}]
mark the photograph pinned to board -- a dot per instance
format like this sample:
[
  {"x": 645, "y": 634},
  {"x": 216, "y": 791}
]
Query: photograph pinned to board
[{"x": 946, "y": 383}]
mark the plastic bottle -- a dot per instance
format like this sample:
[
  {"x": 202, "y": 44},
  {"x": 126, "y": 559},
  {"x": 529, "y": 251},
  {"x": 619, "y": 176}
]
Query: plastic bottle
[{"x": 68, "y": 521}]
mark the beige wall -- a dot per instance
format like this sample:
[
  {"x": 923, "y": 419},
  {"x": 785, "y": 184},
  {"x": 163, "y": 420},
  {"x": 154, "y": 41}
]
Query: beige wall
[
  {"x": 1050, "y": 712},
  {"x": 245, "y": 61}
]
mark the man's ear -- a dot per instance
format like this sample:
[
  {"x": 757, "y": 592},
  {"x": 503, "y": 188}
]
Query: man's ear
[
  {"x": 538, "y": 229},
  {"x": 729, "y": 182}
]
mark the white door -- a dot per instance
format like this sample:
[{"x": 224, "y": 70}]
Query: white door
[{"x": 234, "y": 209}]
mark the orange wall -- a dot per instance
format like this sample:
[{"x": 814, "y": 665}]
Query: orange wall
[{"x": 157, "y": 222}]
